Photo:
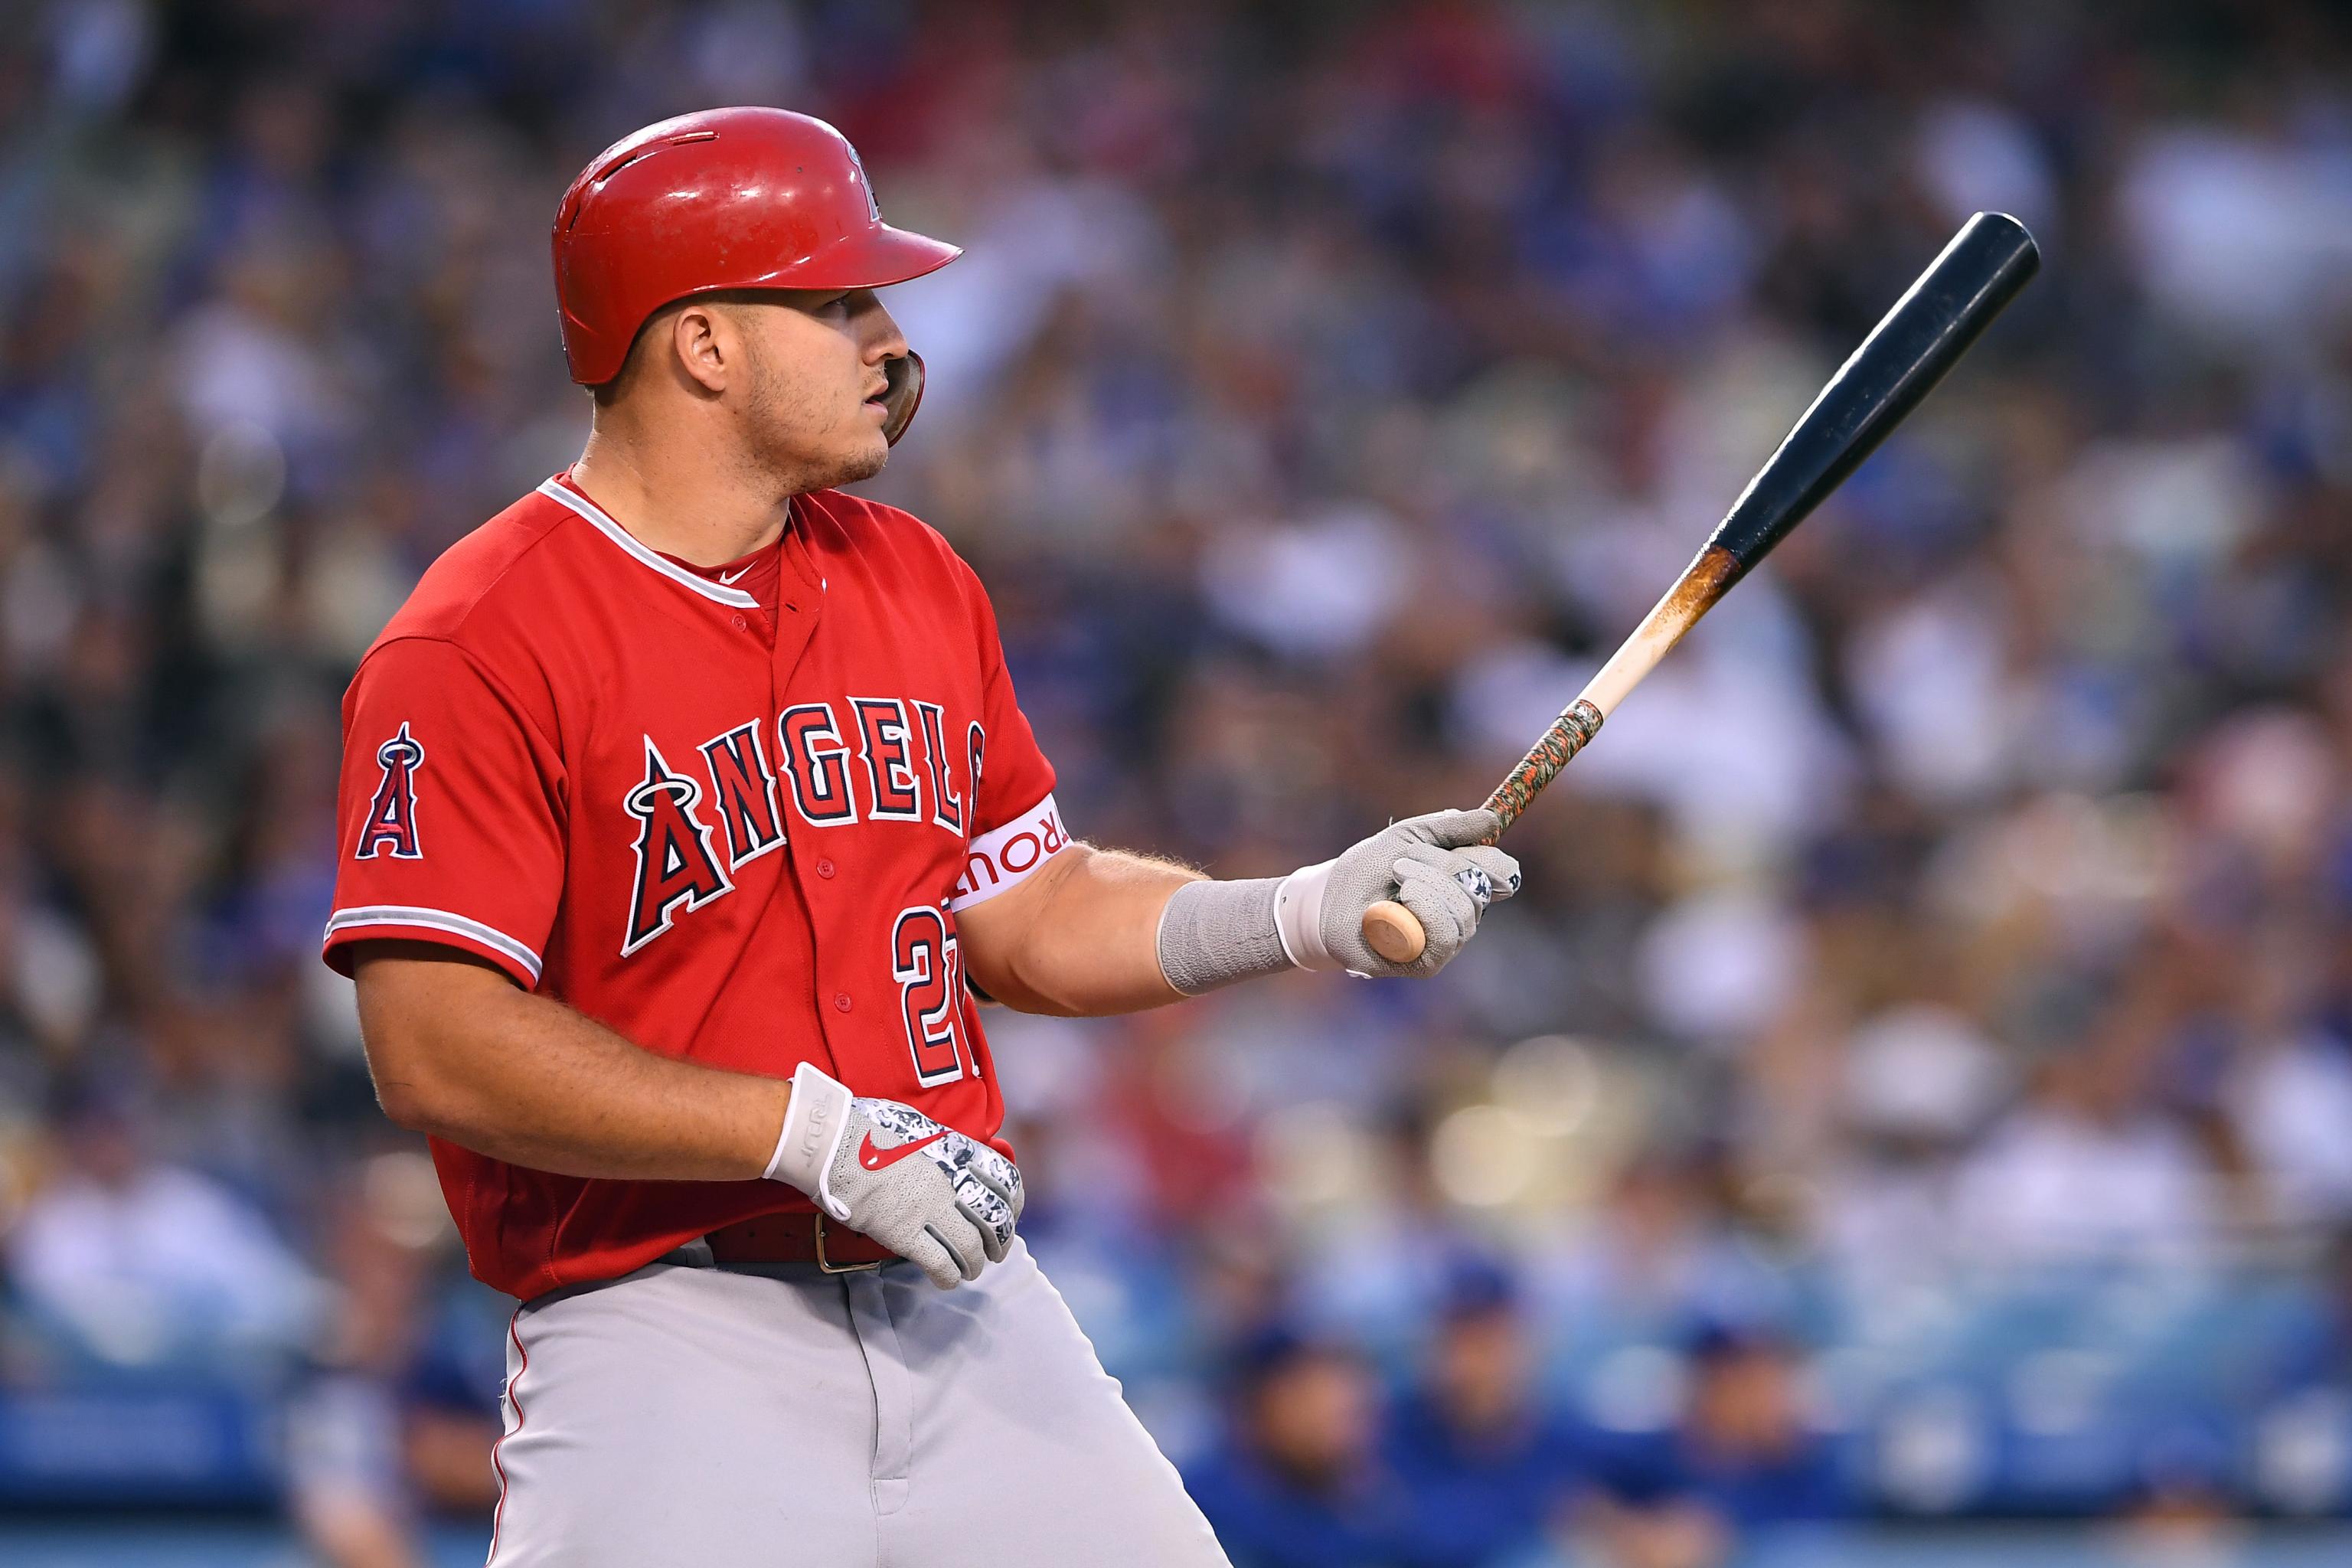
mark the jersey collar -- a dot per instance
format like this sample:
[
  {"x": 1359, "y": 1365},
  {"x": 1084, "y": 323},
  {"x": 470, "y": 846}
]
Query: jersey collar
[{"x": 556, "y": 490}]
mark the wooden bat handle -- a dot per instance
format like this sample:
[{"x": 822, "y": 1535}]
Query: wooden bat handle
[{"x": 1389, "y": 929}]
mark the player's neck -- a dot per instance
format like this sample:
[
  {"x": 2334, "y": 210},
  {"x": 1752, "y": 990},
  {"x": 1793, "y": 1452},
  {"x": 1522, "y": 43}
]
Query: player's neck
[{"x": 694, "y": 511}]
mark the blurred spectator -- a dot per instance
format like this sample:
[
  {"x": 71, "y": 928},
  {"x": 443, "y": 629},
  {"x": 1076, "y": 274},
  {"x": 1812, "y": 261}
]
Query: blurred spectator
[
  {"x": 1659, "y": 1252},
  {"x": 2089, "y": 1166},
  {"x": 1297, "y": 1483},
  {"x": 1919, "y": 1082},
  {"x": 1485, "y": 1469},
  {"x": 134, "y": 1262},
  {"x": 395, "y": 1424},
  {"x": 1748, "y": 1448},
  {"x": 1743, "y": 1460}
]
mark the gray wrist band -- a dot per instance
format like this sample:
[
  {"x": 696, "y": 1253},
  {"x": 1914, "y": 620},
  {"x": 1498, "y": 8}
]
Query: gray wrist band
[{"x": 1214, "y": 934}]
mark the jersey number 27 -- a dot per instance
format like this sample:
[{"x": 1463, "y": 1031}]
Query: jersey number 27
[{"x": 929, "y": 967}]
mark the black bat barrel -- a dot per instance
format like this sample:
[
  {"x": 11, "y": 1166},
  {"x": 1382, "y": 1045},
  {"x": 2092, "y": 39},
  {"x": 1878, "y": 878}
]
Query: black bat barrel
[{"x": 1904, "y": 355}]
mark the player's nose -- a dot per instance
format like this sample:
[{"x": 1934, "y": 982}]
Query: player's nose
[{"x": 879, "y": 331}]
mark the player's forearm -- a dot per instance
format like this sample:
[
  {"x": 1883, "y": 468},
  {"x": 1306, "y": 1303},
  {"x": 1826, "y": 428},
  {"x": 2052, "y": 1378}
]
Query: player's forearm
[
  {"x": 1100, "y": 931},
  {"x": 1441, "y": 869},
  {"x": 463, "y": 1055},
  {"x": 1085, "y": 945}
]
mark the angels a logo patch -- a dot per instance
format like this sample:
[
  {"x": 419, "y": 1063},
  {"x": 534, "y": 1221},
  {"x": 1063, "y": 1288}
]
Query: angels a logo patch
[
  {"x": 390, "y": 824},
  {"x": 675, "y": 860}
]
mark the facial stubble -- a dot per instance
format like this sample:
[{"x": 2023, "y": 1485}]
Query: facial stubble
[{"x": 785, "y": 428}]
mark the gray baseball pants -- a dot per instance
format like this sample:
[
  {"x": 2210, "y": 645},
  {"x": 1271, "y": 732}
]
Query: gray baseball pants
[{"x": 794, "y": 1419}]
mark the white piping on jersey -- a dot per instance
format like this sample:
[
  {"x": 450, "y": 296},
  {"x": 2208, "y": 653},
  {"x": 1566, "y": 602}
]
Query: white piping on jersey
[
  {"x": 645, "y": 557},
  {"x": 496, "y": 940}
]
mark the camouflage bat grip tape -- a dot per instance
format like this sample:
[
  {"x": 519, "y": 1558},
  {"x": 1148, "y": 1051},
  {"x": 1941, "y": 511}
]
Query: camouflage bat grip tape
[{"x": 1567, "y": 735}]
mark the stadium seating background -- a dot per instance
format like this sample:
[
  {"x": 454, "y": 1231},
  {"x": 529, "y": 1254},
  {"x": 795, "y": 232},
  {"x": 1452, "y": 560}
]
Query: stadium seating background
[{"x": 1935, "y": 981}]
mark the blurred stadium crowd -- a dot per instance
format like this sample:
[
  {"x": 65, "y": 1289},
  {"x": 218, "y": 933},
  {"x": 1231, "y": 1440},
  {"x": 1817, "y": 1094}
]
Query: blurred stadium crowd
[{"x": 1918, "y": 1077}]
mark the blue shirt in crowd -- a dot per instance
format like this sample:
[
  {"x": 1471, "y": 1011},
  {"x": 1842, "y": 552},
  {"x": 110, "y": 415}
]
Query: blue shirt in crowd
[
  {"x": 1471, "y": 1501},
  {"x": 1264, "y": 1520}
]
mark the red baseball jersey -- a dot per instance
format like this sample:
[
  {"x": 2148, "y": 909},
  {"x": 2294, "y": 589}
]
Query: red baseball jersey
[{"x": 731, "y": 814}]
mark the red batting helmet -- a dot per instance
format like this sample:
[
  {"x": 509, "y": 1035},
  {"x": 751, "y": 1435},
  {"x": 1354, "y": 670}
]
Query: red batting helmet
[{"x": 725, "y": 198}]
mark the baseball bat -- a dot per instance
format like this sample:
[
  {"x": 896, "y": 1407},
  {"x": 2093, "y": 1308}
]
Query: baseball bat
[{"x": 1944, "y": 311}]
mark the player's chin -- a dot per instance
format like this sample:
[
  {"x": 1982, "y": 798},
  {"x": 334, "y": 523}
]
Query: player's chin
[
  {"x": 862, "y": 459},
  {"x": 844, "y": 457}
]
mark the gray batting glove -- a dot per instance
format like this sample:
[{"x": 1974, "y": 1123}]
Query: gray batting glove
[
  {"x": 1433, "y": 865},
  {"x": 939, "y": 1199}
]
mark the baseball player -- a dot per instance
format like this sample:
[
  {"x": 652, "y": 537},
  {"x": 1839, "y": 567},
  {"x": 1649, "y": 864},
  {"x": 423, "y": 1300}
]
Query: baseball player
[{"x": 686, "y": 811}]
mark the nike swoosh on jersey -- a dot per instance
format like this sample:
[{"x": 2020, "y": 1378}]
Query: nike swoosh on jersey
[
  {"x": 723, "y": 578},
  {"x": 875, "y": 1159}
]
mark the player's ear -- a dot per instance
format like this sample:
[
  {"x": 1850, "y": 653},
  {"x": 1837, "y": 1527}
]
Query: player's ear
[{"x": 705, "y": 344}]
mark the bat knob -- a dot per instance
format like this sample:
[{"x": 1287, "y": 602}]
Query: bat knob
[{"x": 1391, "y": 931}]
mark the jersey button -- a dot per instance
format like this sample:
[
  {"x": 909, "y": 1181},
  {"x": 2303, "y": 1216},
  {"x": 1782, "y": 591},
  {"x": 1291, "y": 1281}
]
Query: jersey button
[
  {"x": 841, "y": 1000},
  {"x": 824, "y": 869},
  {"x": 741, "y": 624}
]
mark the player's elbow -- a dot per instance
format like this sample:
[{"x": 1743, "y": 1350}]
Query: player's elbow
[
  {"x": 411, "y": 1103},
  {"x": 413, "y": 1089}
]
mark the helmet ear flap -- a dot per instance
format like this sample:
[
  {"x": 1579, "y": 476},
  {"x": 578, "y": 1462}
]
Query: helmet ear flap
[{"x": 903, "y": 395}]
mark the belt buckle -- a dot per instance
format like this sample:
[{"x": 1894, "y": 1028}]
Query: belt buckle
[{"x": 826, "y": 1266}]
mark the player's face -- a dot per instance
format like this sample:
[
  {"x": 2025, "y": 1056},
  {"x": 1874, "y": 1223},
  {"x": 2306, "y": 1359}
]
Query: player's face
[{"x": 813, "y": 412}]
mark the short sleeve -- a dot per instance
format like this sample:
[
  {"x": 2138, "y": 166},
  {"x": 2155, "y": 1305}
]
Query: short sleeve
[
  {"x": 450, "y": 812},
  {"x": 1015, "y": 825}
]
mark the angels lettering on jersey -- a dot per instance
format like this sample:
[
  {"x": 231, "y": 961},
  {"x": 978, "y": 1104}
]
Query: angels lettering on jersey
[{"x": 833, "y": 765}]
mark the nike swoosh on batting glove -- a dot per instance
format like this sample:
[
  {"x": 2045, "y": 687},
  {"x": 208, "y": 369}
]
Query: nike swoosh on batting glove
[{"x": 943, "y": 1201}]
